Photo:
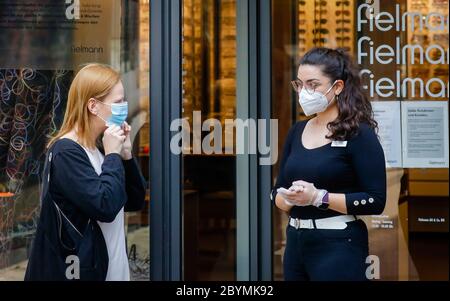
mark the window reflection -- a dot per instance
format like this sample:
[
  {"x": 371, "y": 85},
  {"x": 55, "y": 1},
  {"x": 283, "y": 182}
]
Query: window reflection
[{"x": 37, "y": 66}]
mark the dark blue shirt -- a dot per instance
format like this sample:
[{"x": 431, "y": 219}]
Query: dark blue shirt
[{"x": 357, "y": 170}]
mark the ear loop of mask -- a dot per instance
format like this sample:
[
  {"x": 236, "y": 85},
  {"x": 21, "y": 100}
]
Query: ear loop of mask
[
  {"x": 106, "y": 123},
  {"x": 326, "y": 93}
]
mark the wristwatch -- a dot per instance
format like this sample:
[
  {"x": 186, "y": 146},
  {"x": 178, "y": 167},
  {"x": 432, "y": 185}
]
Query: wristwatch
[{"x": 325, "y": 202}]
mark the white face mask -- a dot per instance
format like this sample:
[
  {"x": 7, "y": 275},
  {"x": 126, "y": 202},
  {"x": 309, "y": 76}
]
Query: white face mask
[{"x": 314, "y": 103}]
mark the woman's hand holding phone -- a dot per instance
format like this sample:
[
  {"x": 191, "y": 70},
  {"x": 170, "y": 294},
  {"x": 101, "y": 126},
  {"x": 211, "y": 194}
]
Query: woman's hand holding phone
[{"x": 299, "y": 194}]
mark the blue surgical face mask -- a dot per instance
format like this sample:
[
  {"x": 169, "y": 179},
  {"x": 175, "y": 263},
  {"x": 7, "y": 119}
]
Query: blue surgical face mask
[{"x": 119, "y": 113}]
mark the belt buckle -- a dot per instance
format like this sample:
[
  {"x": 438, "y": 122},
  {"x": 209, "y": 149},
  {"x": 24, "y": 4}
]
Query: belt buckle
[
  {"x": 307, "y": 224},
  {"x": 297, "y": 223}
]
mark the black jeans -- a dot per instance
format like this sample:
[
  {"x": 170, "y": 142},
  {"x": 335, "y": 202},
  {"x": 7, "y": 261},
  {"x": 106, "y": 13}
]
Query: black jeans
[{"x": 327, "y": 255}]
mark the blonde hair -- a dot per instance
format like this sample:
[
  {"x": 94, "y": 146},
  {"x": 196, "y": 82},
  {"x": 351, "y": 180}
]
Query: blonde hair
[{"x": 92, "y": 81}]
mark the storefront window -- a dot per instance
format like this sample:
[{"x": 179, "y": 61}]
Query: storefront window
[
  {"x": 409, "y": 95},
  {"x": 209, "y": 98},
  {"x": 43, "y": 46}
]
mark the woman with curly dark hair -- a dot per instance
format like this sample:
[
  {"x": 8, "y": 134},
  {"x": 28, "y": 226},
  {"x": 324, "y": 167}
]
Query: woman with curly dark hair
[{"x": 332, "y": 170}]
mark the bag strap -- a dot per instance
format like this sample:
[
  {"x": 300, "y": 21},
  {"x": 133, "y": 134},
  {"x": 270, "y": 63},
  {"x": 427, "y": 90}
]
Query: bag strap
[{"x": 45, "y": 190}]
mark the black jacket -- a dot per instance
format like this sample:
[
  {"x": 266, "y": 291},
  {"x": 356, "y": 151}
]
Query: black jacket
[{"x": 84, "y": 197}]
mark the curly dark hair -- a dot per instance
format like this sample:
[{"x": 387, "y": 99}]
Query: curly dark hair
[{"x": 353, "y": 105}]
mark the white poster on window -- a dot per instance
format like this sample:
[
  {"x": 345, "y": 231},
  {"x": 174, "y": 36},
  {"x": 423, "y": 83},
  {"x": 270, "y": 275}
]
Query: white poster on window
[
  {"x": 425, "y": 134},
  {"x": 387, "y": 114}
]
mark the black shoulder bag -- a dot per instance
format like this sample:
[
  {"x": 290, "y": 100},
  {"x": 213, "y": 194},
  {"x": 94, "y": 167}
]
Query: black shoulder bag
[{"x": 60, "y": 251}]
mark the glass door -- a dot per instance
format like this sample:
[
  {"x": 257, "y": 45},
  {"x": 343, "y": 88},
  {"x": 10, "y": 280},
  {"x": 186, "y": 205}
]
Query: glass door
[{"x": 208, "y": 100}]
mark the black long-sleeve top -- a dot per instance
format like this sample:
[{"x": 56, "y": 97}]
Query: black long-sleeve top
[
  {"x": 82, "y": 194},
  {"x": 357, "y": 170}
]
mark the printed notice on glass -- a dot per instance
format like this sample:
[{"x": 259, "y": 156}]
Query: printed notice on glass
[
  {"x": 58, "y": 34},
  {"x": 387, "y": 114},
  {"x": 425, "y": 134}
]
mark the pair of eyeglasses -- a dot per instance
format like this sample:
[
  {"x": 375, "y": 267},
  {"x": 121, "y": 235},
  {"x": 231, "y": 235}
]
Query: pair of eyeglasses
[
  {"x": 321, "y": 30},
  {"x": 419, "y": 38},
  {"x": 343, "y": 12},
  {"x": 420, "y": 73},
  {"x": 297, "y": 85},
  {"x": 434, "y": 20},
  {"x": 341, "y": 30},
  {"x": 322, "y": 40},
  {"x": 440, "y": 72},
  {"x": 346, "y": 21},
  {"x": 346, "y": 3},
  {"x": 440, "y": 37},
  {"x": 419, "y": 5},
  {"x": 321, "y": 21},
  {"x": 440, "y": 2}
]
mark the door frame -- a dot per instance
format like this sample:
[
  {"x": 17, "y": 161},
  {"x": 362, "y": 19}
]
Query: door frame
[{"x": 253, "y": 181}]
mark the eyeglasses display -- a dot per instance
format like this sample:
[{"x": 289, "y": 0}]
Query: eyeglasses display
[
  {"x": 430, "y": 64},
  {"x": 344, "y": 15},
  {"x": 326, "y": 24}
]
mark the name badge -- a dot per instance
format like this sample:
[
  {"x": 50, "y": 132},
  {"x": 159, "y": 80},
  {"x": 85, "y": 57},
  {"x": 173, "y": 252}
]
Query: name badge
[{"x": 339, "y": 143}]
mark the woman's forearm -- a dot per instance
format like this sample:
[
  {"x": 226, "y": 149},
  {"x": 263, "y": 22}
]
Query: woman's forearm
[{"x": 337, "y": 202}]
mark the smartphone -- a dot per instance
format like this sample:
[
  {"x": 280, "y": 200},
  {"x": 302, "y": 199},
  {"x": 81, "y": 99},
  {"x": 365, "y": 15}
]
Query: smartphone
[{"x": 283, "y": 190}]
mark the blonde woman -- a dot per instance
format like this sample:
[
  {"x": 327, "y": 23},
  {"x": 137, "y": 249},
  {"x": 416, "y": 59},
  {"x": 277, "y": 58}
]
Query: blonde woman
[{"x": 88, "y": 185}]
